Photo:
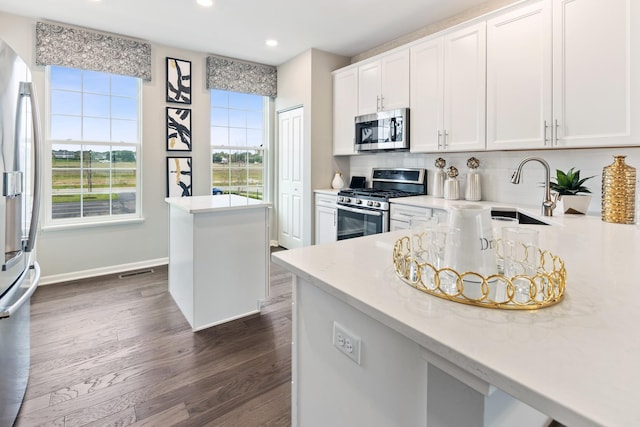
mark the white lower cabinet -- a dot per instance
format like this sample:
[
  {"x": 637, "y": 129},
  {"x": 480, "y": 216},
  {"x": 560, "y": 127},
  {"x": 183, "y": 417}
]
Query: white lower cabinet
[
  {"x": 326, "y": 218},
  {"x": 400, "y": 215}
]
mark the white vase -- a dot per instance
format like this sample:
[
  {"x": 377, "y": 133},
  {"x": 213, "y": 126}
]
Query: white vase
[
  {"x": 577, "y": 204},
  {"x": 338, "y": 182},
  {"x": 451, "y": 189},
  {"x": 472, "y": 189},
  {"x": 438, "y": 183}
]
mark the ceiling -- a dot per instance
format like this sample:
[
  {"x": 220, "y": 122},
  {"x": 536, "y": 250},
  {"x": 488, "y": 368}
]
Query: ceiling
[{"x": 239, "y": 28}]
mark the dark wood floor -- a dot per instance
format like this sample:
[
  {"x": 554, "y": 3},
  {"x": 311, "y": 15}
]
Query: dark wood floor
[{"x": 114, "y": 351}]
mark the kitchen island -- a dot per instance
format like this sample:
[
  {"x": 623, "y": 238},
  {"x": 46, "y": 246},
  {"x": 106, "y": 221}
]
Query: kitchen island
[
  {"x": 218, "y": 257},
  {"x": 425, "y": 360}
]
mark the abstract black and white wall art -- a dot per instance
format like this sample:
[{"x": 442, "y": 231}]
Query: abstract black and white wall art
[
  {"x": 178, "y": 129},
  {"x": 179, "y": 177},
  {"x": 178, "y": 81}
]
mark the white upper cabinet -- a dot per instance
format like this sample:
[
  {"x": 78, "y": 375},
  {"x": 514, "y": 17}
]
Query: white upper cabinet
[
  {"x": 559, "y": 76},
  {"x": 448, "y": 100},
  {"x": 345, "y": 109},
  {"x": 519, "y": 78},
  {"x": 383, "y": 84},
  {"x": 595, "y": 96}
]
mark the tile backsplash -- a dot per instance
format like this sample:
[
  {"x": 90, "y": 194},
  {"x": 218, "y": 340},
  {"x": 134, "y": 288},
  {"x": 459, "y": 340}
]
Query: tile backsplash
[{"x": 496, "y": 168}]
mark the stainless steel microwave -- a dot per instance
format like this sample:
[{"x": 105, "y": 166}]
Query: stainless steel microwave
[{"x": 385, "y": 130}]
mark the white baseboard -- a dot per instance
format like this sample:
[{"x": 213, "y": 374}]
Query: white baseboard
[{"x": 57, "y": 278}]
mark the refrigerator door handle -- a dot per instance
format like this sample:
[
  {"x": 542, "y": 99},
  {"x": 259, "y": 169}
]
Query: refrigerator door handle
[
  {"x": 26, "y": 89},
  {"x": 8, "y": 311}
]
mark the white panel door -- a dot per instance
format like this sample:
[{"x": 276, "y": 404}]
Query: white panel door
[
  {"x": 519, "y": 78},
  {"x": 427, "y": 94},
  {"x": 394, "y": 82},
  {"x": 465, "y": 89},
  {"x": 369, "y": 87},
  {"x": 593, "y": 95},
  {"x": 345, "y": 109},
  {"x": 290, "y": 179}
]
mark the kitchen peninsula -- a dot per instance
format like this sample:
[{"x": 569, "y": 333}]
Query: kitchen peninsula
[
  {"x": 428, "y": 361},
  {"x": 218, "y": 257}
]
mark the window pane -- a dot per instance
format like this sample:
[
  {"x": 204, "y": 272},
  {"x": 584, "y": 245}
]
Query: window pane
[
  {"x": 124, "y": 157},
  {"x": 123, "y": 203},
  {"x": 254, "y": 138},
  {"x": 237, "y": 137},
  {"x": 65, "y": 181},
  {"x": 219, "y": 117},
  {"x": 124, "y": 131},
  {"x": 65, "y": 156},
  {"x": 122, "y": 179},
  {"x": 65, "y": 127},
  {"x": 219, "y": 136},
  {"x": 96, "y": 82},
  {"x": 254, "y": 119},
  {"x": 66, "y": 78},
  {"x": 64, "y": 102},
  {"x": 97, "y": 181},
  {"x": 95, "y": 105},
  {"x": 238, "y": 118},
  {"x": 96, "y": 156},
  {"x": 65, "y": 206},
  {"x": 124, "y": 86},
  {"x": 96, "y": 129},
  {"x": 238, "y": 100},
  {"x": 96, "y": 204},
  {"x": 219, "y": 98},
  {"x": 124, "y": 108}
]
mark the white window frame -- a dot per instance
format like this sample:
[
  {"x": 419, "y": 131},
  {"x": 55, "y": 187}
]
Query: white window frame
[{"x": 49, "y": 223}]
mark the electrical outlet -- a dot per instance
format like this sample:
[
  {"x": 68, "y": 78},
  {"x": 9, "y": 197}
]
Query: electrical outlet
[{"x": 346, "y": 342}]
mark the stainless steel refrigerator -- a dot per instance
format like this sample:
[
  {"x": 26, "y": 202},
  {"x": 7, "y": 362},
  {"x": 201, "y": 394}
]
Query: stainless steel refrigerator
[{"x": 20, "y": 165}]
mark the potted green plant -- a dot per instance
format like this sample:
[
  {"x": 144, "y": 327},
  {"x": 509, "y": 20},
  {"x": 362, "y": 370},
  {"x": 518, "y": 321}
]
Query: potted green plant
[{"x": 572, "y": 196}]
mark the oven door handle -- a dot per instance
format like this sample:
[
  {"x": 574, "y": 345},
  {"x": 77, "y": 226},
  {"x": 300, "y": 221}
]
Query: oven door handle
[{"x": 360, "y": 211}]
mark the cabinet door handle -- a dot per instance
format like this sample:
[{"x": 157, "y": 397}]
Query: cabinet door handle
[
  {"x": 545, "y": 126},
  {"x": 555, "y": 134},
  {"x": 378, "y": 103},
  {"x": 446, "y": 139},
  {"x": 381, "y": 102},
  {"x": 439, "y": 137}
]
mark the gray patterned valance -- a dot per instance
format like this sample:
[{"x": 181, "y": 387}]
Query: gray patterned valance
[
  {"x": 239, "y": 76},
  {"x": 88, "y": 50}
]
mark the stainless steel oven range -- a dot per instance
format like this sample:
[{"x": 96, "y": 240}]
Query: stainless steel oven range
[{"x": 365, "y": 211}]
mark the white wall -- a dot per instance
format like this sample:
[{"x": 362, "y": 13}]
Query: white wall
[
  {"x": 496, "y": 169},
  {"x": 82, "y": 251}
]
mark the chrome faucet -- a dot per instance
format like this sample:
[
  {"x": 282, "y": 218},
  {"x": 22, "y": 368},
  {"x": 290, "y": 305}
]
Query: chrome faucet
[{"x": 548, "y": 204}]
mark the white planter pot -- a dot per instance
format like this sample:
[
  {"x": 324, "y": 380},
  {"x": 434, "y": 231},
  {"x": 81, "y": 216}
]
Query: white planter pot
[{"x": 578, "y": 204}]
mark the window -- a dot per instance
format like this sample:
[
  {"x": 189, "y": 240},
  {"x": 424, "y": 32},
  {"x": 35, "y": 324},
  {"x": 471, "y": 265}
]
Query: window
[
  {"x": 94, "y": 139},
  {"x": 238, "y": 135}
]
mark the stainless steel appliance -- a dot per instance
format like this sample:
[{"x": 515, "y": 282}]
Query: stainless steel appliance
[
  {"x": 20, "y": 153},
  {"x": 385, "y": 130},
  {"x": 364, "y": 211}
]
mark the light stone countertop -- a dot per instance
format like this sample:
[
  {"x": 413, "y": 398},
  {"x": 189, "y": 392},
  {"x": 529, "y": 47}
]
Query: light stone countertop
[
  {"x": 330, "y": 191},
  {"x": 221, "y": 202},
  {"x": 577, "y": 361}
]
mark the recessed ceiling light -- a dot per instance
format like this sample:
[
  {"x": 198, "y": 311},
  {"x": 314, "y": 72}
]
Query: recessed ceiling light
[
  {"x": 272, "y": 42},
  {"x": 205, "y": 3}
]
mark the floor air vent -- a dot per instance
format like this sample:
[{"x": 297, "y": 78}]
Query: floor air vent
[{"x": 135, "y": 273}]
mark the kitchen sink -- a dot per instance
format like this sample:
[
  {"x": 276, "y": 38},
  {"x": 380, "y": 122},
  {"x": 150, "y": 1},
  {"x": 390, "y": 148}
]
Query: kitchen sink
[{"x": 521, "y": 217}]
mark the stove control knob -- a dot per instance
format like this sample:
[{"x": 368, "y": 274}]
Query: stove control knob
[
  {"x": 358, "y": 202},
  {"x": 376, "y": 204},
  {"x": 347, "y": 200},
  {"x": 341, "y": 199},
  {"x": 369, "y": 203}
]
